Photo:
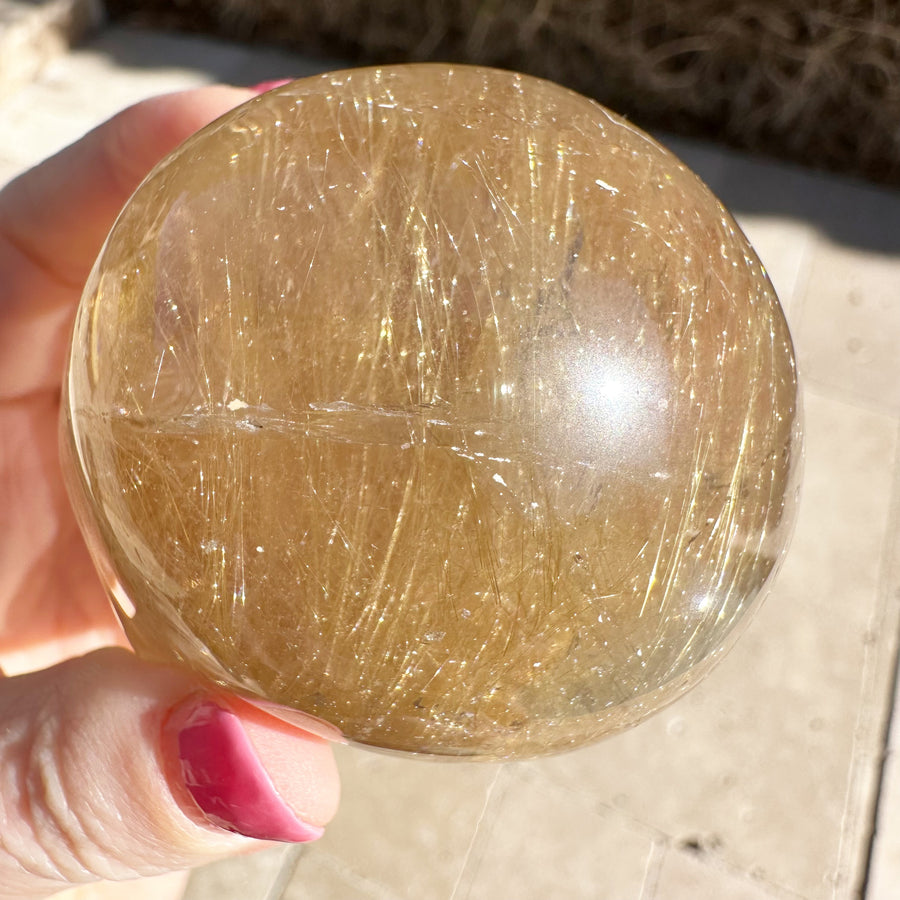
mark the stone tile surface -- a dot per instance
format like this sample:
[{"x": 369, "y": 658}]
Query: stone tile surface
[
  {"x": 540, "y": 841},
  {"x": 321, "y": 875},
  {"x": 258, "y": 876},
  {"x": 849, "y": 327},
  {"x": 884, "y": 862},
  {"x": 406, "y": 825},
  {"x": 687, "y": 874}
]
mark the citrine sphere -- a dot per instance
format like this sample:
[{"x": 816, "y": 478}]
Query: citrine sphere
[{"x": 438, "y": 403}]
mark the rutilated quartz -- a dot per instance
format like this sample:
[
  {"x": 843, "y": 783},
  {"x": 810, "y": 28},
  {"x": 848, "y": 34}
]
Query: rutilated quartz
[{"x": 439, "y": 403}]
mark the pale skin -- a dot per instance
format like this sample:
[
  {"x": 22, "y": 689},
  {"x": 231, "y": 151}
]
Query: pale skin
[{"x": 88, "y": 788}]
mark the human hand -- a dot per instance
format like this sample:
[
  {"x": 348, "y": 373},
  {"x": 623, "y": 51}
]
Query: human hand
[{"x": 110, "y": 768}]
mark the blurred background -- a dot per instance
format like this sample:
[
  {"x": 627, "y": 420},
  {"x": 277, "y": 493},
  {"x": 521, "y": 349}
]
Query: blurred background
[
  {"x": 778, "y": 777},
  {"x": 816, "y": 81}
]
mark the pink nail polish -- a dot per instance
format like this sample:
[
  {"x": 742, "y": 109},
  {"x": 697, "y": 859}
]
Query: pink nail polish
[
  {"x": 264, "y": 86},
  {"x": 227, "y": 781}
]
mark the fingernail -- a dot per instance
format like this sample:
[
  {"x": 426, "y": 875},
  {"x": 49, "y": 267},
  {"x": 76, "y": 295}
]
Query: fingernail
[
  {"x": 227, "y": 781},
  {"x": 264, "y": 86}
]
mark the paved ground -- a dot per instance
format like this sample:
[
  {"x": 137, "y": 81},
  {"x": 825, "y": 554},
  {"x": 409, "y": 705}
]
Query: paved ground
[{"x": 765, "y": 783}]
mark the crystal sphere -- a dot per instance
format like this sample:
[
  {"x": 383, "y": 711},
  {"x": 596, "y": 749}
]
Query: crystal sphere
[{"x": 438, "y": 403}]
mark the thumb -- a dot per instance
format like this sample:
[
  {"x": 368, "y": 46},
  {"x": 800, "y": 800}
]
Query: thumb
[{"x": 113, "y": 768}]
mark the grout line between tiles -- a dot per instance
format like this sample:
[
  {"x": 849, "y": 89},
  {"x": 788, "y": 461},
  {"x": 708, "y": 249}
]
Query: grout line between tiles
[
  {"x": 872, "y": 836},
  {"x": 285, "y": 873},
  {"x": 655, "y": 857},
  {"x": 501, "y": 773},
  {"x": 890, "y": 564}
]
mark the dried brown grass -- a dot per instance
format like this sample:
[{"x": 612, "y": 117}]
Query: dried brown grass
[{"x": 815, "y": 81}]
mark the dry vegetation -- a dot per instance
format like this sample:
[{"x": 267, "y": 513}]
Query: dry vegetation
[{"x": 815, "y": 81}]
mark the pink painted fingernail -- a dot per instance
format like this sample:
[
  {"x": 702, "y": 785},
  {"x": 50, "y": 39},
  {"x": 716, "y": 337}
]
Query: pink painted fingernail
[
  {"x": 264, "y": 86},
  {"x": 225, "y": 777}
]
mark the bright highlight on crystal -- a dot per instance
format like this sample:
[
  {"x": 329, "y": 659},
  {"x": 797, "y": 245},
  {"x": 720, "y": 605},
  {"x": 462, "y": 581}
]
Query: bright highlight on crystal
[{"x": 439, "y": 403}]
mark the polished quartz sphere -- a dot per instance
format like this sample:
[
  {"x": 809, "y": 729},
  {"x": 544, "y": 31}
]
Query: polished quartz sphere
[{"x": 438, "y": 403}]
